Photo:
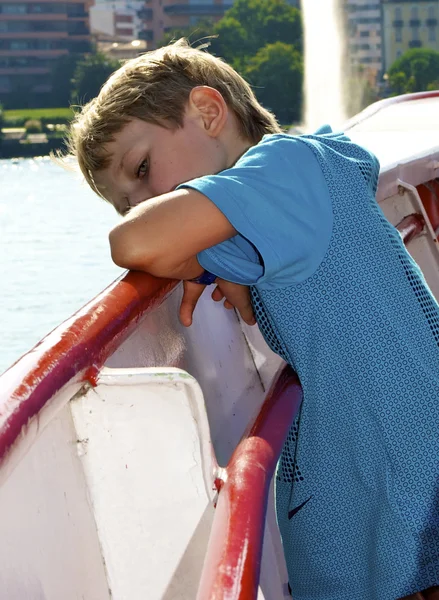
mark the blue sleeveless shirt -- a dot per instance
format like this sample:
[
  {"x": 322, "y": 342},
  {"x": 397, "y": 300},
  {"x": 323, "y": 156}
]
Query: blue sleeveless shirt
[{"x": 338, "y": 297}]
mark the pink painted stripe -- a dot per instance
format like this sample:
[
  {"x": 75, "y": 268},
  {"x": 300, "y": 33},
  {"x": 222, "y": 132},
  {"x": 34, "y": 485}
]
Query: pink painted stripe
[
  {"x": 381, "y": 104},
  {"x": 75, "y": 351},
  {"x": 232, "y": 564}
]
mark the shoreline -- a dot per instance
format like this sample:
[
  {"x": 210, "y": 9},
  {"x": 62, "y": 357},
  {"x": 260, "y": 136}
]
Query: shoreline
[{"x": 19, "y": 149}]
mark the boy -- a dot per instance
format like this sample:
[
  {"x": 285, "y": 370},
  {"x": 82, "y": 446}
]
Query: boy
[
  {"x": 218, "y": 117},
  {"x": 175, "y": 140}
]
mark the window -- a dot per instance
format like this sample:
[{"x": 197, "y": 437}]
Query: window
[
  {"x": 19, "y": 45},
  {"x": 5, "y": 82},
  {"x": 398, "y": 34},
  {"x": 432, "y": 34},
  {"x": 13, "y": 9},
  {"x": 414, "y": 12},
  {"x": 398, "y": 14},
  {"x": 431, "y": 12}
]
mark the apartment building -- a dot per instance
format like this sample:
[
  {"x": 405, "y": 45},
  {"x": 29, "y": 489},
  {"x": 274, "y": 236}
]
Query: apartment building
[
  {"x": 33, "y": 34},
  {"x": 116, "y": 18},
  {"x": 364, "y": 32},
  {"x": 408, "y": 24},
  {"x": 159, "y": 16}
]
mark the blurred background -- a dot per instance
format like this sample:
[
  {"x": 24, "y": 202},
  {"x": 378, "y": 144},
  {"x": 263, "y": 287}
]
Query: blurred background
[{"x": 56, "y": 54}]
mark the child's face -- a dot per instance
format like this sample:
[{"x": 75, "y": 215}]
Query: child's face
[{"x": 149, "y": 160}]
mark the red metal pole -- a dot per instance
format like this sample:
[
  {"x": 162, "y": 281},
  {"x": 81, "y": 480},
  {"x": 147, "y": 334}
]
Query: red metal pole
[{"x": 233, "y": 560}]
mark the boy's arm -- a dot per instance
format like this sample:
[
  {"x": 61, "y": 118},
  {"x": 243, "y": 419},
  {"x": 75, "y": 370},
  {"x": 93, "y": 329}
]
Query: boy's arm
[{"x": 162, "y": 236}]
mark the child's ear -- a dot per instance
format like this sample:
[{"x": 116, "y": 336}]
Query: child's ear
[{"x": 210, "y": 107}]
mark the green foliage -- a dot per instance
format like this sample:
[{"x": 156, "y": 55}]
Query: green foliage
[
  {"x": 33, "y": 126},
  {"x": 199, "y": 33},
  {"x": 415, "y": 71},
  {"x": 17, "y": 118},
  {"x": 90, "y": 74},
  {"x": 276, "y": 73},
  {"x": 62, "y": 79},
  {"x": 2, "y": 122},
  {"x": 358, "y": 90},
  {"x": 262, "y": 40},
  {"x": 251, "y": 24}
]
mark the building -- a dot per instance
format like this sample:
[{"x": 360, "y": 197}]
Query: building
[
  {"x": 408, "y": 24},
  {"x": 117, "y": 19},
  {"x": 365, "y": 36},
  {"x": 33, "y": 35},
  {"x": 160, "y": 16}
]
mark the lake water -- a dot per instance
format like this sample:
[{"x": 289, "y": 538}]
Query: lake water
[{"x": 54, "y": 253}]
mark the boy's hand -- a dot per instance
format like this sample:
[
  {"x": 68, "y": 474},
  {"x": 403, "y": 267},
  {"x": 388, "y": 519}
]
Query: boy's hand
[{"x": 236, "y": 296}]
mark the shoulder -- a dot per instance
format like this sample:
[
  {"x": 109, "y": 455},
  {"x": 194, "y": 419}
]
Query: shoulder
[
  {"x": 274, "y": 147},
  {"x": 277, "y": 157}
]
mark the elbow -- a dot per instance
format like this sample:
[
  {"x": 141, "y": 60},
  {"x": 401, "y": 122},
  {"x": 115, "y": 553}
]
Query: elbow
[
  {"x": 130, "y": 250},
  {"x": 124, "y": 250}
]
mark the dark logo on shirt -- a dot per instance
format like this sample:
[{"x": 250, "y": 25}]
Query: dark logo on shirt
[{"x": 293, "y": 512}]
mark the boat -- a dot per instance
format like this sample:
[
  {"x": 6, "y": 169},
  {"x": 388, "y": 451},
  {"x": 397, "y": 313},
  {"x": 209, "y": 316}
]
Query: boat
[{"x": 137, "y": 456}]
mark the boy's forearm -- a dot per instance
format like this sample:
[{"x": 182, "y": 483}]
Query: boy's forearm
[
  {"x": 187, "y": 269},
  {"x": 162, "y": 236}
]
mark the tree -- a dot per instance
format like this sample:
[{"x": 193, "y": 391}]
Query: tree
[
  {"x": 358, "y": 90},
  {"x": 61, "y": 79},
  {"x": 415, "y": 71},
  {"x": 276, "y": 71},
  {"x": 251, "y": 24},
  {"x": 2, "y": 123},
  {"x": 200, "y": 32},
  {"x": 90, "y": 74},
  {"x": 250, "y": 35}
]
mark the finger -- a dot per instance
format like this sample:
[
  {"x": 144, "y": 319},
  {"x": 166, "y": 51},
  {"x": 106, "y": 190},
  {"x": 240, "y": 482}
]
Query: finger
[
  {"x": 217, "y": 294},
  {"x": 247, "y": 315},
  {"x": 228, "y": 305},
  {"x": 191, "y": 295}
]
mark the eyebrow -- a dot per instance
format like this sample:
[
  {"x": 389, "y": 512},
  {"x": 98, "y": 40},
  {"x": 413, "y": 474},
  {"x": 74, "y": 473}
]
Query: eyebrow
[{"x": 121, "y": 163}]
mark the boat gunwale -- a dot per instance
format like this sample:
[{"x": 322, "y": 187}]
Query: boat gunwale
[
  {"x": 70, "y": 357},
  {"x": 374, "y": 108}
]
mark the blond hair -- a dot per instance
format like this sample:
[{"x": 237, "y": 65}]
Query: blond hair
[{"x": 155, "y": 87}]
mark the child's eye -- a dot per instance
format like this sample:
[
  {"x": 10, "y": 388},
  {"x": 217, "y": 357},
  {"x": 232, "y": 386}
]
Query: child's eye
[{"x": 143, "y": 169}]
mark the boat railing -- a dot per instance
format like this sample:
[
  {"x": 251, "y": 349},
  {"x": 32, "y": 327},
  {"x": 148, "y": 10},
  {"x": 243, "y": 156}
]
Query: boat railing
[
  {"x": 43, "y": 380},
  {"x": 70, "y": 358},
  {"x": 371, "y": 110},
  {"x": 233, "y": 559}
]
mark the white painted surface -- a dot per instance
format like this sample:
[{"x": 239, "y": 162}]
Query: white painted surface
[
  {"x": 217, "y": 353},
  {"x": 401, "y": 133},
  {"x": 423, "y": 248},
  {"x": 49, "y": 549},
  {"x": 144, "y": 447},
  {"x": 234, "y": 368}
]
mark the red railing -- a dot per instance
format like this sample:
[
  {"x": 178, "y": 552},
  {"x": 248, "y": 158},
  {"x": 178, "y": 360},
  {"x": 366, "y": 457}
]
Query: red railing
[
  {"x": 233, "y": 560},
  {"x": 71, "y": 355}
]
